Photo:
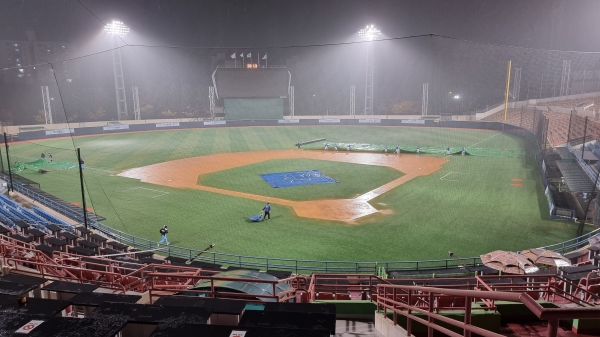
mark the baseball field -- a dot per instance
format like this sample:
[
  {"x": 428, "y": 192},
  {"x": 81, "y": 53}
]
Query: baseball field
[{"x": 205, "y": 184}]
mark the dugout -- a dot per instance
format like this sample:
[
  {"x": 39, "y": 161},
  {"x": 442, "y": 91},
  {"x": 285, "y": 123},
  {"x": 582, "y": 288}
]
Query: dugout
[{"x": 252, "y": 93}]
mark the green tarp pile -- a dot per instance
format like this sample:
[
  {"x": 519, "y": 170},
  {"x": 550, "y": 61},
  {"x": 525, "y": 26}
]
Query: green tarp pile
[
  {"x": 41, "y": 165},
  {"x": 354, "y": 147}
]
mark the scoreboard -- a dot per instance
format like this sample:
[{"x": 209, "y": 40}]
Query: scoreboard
[{"x": 251, "y": 82}]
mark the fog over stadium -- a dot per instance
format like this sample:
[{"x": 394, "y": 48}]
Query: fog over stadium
[
  {"x": 299, "y": 168},
  {"x": 318, "y": 42}
]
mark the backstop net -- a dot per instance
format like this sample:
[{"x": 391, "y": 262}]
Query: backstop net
[{"x": 128, "y": 106}]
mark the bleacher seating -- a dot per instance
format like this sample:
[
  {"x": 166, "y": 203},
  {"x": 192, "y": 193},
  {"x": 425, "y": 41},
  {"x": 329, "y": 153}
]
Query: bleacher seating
[
  {"x": 52, "y": 219},
  {"x": 10, "y": 211},
  {"x": 558, "y": 124},
  {"x": 576, "y": 103}
]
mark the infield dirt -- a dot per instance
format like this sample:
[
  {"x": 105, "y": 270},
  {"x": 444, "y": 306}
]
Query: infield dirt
[{"x": 184, "y": 173}]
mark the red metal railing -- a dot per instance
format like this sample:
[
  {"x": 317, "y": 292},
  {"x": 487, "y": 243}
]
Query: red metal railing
[
  {"x": 401, "y": 301},
  {"x": 549, "y": 287},
  {"x": 162, "y": 283},
  {"x": 342, "y": 286},
  {"x": 591, "y": 285}
]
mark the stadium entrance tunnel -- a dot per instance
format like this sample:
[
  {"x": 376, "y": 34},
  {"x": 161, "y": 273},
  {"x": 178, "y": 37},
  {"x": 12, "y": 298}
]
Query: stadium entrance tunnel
[{"x": 184, "y": 173}]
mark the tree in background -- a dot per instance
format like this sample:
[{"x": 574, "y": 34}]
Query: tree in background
[
  {"x": 40, "y": 118},
  {"x": 147, "y": 111},
  {"x": 168, "y": 113},
  {"x": 190, "y": 112},
  {"x": 407, "y": 108},
  {"x": 398, "y": 106},
  {"x": 96, "y": 115}
]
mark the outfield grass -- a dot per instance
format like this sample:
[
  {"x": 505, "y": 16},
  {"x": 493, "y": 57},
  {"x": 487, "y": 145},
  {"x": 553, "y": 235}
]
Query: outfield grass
[
  {"x": 353, "y": 179},
  {"x": 472, "y": 210}
]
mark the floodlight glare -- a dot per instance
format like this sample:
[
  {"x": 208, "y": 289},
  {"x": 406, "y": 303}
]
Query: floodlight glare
[
  {"x": 116, "y": 28},
  {"x": 369, "y": 33},
  {"x": 456, "y": 97}
]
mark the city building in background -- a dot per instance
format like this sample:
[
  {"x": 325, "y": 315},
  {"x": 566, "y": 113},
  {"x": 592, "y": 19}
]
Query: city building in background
[{"x": 23, "y": 56}]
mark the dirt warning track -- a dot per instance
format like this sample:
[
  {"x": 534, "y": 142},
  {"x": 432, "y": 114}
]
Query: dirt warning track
[{"x": 184, "y": 173}]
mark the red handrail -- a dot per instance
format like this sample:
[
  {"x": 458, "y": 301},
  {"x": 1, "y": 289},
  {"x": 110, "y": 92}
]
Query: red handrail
[{"x": 385, "y": 291}]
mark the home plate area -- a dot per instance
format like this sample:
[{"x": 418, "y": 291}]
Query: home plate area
[{"x": 297, "y": 178}]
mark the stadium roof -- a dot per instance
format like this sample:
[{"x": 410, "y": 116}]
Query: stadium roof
[
  {"x": 248, "y": 287},
  {"x": 575, "y": 177}
]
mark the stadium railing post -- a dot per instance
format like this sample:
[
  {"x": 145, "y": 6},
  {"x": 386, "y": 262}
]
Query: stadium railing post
[
  {"x": 85, "y": 220},
  {"x": 8, "y": 163}
]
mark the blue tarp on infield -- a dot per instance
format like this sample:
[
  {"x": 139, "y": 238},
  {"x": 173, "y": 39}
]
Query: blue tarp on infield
[{"x": 298, "y": 178}]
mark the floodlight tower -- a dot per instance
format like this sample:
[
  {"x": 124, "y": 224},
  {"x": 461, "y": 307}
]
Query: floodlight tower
[
  {"x": 118, "y": 29},
  {"x": 369, "y": 34}
]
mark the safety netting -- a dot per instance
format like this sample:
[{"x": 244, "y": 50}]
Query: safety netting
[
  {"x": 139, "y": 101},
  {"x": 415, "y": 149}
]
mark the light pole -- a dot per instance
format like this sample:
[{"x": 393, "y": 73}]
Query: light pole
[
  {"x": 114, "y": 29},
  {"x": 369, "y": 34},
  {"x": 455, "y": 99}
]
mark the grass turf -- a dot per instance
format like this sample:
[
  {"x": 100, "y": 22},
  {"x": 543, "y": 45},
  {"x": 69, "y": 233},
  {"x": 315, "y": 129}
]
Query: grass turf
[
  {"x": 422, "y": 219},
  {"x": 350, "y": 177}
]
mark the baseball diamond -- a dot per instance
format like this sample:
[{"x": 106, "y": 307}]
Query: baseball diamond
[{"x": 204, "y": 183}]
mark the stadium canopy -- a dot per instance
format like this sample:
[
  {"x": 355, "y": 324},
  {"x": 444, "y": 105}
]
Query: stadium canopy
[
  {"x": 575, "y": 177},
  {"x": 247, "y": 287}
]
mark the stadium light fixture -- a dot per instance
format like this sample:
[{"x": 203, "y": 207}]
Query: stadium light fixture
[
  {"x": 369, "y": 33},
  {"x": 116, "y": 28},
  {"x": 456, "y": 96}
]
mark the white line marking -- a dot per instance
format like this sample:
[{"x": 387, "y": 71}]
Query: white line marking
[
  {"x": 148, "y": 189},
  {"x": 449, "y": 173},
  {"x": 485, "y": 139}
]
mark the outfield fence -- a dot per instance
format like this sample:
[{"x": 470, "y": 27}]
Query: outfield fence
[{"x": 535, "y": 136}]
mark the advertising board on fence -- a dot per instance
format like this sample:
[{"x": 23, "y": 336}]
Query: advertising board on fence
[
  {"x": 549, "y": 199},
  {"x": 329, "y": 120},
  {"x": 413, "y": 121},
  {"x": 288, "y": 121},
  {"x": 59, "y": 132},
  {"x": 544, "y": 166},
  {"x": 371, "y": 121},
  {"x": 167, "y": 125},
  {"x": 215, "y": 123},
  {"x": 115, "y": 127}
]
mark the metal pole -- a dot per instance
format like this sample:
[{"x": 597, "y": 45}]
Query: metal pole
[
  {"x": 8, "y": 163},
  {"x": 583, "y": 83},
  {"x": 582, "y": 223},
  {"x": 552, "y": 327},
  {"x": 507, "y": 89},
  {"x": 569, "y": 129},
  {"x": 521, "y": 122},
  {"x": 584, "y": 135},
  {"x": 85, "y": 221}
]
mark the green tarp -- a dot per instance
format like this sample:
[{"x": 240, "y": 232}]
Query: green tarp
[
  {"x": 40, "y": 165},
  {"x": 357, "y": 147}
]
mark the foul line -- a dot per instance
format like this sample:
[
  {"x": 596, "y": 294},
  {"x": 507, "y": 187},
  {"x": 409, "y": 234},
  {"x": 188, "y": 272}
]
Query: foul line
[
  {"x": 485, "y": 139},
  {"x": 449, "y": 173},
  {"x": 149, "y": 189}
]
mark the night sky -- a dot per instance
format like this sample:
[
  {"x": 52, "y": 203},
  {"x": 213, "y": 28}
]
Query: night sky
[
  {"x": 205, "y": 33},
  {"x": 549, "y": 24}
]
